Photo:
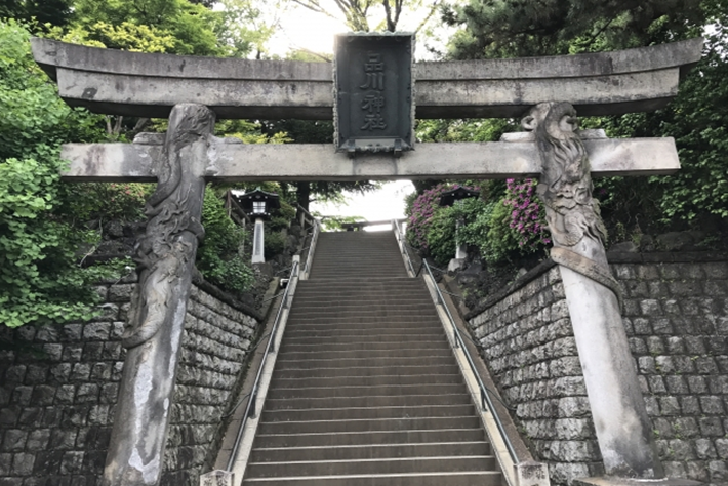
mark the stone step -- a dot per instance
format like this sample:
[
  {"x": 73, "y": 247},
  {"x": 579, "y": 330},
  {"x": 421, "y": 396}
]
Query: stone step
[
  {"x": 334, "y": 275},
  {"x": 410, "y": 352},
  {"x": 368, "y": 362},
  {"x": 484, "y": 478},
  {"x": 364, "y": 316},
  {"x": 368, "y": 425},
  {"x": 369, "y": 438},
  {"x": 369, "y": 334},
  {"x": 344, "y": 380},
  {"x": 403, "y": 400},
  {"x": 475, "y": 448},
  {"x": 367, "y": 413},
  {"x": 336, "y": 301},
  {"x": 367, "y": 466},
  {"x": 368, "y": 391},
  {"x": 355, "y": 373},
  {"x": 367, "y": 309},
  {"x": 362, "y": 346},
  {"x": 354, "y": 282},
  {"x": 401, "y": 326}
]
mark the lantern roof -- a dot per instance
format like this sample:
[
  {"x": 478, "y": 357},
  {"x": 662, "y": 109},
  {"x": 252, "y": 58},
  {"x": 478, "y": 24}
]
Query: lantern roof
[
  {"x": 247, "y": 201},
  {"x": 448, "y": 198}
]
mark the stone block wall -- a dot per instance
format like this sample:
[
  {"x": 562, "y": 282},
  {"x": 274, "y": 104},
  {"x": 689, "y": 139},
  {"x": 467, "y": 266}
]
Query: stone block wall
[
  {"x": 676, "y": 317},
  {"x": 59, "y": 384},
  {"x": 530, "y": 349}
]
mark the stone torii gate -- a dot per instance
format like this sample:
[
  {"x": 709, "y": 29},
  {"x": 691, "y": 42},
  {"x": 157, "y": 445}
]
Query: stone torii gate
[{"x": 192, "y": 92}]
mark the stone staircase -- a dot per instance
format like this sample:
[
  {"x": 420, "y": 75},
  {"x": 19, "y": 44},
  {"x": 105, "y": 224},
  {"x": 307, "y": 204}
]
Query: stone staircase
[{"x": 366, "y": 390}]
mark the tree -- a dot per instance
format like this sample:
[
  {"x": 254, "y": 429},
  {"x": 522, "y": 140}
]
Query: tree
[
  {"x": 505, "y": 28},
  {"x": 38, "y": 13},
  {"x": 176, "y": 26},
  {"x": 357, "y": 13}
]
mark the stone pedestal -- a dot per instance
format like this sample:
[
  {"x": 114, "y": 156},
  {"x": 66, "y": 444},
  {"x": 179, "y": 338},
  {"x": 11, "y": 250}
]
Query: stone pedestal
[
  {"x": 532, "y": 473},
  {"x": 218, "y": 478}
]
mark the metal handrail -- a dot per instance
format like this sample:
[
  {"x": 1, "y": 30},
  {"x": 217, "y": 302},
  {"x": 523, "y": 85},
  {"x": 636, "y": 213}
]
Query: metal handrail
[
  {"x": 402, "y": 245},
  {"x": 250, "y": 407},
  {"x": 312, "y": 247},
  {"x": 486, "y": 402}
]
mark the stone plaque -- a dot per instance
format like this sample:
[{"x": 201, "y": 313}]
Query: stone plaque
[{"x": 373, "y": 93}]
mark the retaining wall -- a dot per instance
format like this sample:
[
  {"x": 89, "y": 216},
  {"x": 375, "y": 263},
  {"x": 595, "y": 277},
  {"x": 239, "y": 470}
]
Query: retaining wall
[
  {"x": 676, "y": 317},
  {"x": 59, "y": 384}
]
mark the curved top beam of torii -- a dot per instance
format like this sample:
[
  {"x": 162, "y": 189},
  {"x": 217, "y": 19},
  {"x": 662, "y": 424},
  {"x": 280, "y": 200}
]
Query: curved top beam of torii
[{"x": 139, "y": 84}]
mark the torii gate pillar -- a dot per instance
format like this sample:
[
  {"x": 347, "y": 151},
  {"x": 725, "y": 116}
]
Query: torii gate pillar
[
  {"x": 593, "y": 296},
  {"x": 165, "y": 259}
]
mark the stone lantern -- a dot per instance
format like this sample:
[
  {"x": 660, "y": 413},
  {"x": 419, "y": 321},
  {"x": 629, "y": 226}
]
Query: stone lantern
[
  {"x": 448, "y": 199},
  {"x": 259, "y": 205}
]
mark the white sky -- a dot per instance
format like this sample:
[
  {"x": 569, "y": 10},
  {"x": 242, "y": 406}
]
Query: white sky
[{"x": 387, "y": 203}]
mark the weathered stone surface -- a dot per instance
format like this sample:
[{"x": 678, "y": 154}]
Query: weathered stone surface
[
  {"x": 597, "y": 83},
  {"x": 134, "y": 162}
]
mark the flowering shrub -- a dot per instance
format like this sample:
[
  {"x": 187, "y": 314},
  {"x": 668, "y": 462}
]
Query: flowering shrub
[
  {"x": 421, "y": 214},
  {"x": 506, "y": 224},
  {"x": 527, "y": 217}
]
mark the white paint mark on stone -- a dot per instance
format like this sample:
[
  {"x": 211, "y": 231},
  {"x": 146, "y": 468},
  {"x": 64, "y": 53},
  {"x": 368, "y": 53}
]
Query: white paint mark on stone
[{"x": 150, "y": 471}]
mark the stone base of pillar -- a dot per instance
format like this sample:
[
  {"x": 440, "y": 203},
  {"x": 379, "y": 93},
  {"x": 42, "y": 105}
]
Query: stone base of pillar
[
  {"x": 614, "y": 481},
  {"x": 217, "y": 478},
  {"x": 454, "y": 264},
  {"x": 532, "y": 473}
]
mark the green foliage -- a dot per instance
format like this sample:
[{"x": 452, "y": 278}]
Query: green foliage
[
  {"x": 37, "y": 13},
  {"x": 274, "y": 243},
  {"x": 218, "y": 258},
  {"x": 505, "y": 28},
  {"x": 281, "y": 219},
  {"x": 697, "y": 119},
  {"x": 489, "y": 229},
  {"x": 335, "y": 223},
  {"x": 464, "y": 130},
  {"x": 441, "y": 238},
  {"x": 176, "y": 26},
  {"x": 39, "y": 280},
  {"x": 106, "y": 201}
]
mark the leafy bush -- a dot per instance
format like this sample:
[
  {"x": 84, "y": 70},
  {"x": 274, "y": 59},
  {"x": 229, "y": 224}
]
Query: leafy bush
[
  {"x": 218, "y": 258},
  {"x": 107, "y": 201},
  {"x": 274, "y": 243},
  {"x": 441, "y": 238},
  {"x": 39, "y": 280}
]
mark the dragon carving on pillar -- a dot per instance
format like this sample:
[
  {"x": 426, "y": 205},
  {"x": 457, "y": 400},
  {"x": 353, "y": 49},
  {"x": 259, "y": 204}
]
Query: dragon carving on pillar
[
  {"x": 565, "y": 187},
  {"x": 168, "y": 248}
]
